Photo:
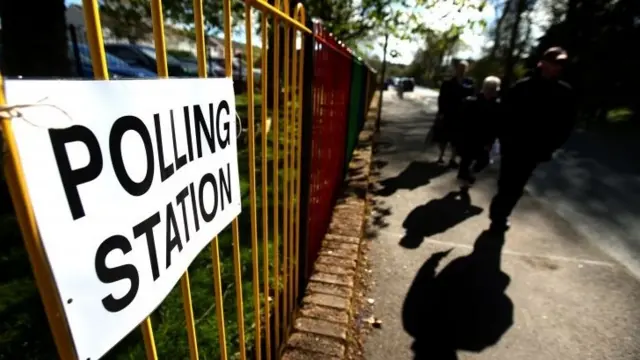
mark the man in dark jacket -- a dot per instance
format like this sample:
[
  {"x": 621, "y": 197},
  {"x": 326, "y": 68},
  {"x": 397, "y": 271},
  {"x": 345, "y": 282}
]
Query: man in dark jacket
[
  {"x": 480, "y": 116},
  {"x": 539, "y": 117},
  {"x": 452, "y": 93}
]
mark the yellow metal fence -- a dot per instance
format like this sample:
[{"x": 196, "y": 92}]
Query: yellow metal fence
[{"x": 275, "y": 252}]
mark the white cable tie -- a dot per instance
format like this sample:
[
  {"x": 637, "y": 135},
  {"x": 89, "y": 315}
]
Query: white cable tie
[{"x": 239, "y": 126}]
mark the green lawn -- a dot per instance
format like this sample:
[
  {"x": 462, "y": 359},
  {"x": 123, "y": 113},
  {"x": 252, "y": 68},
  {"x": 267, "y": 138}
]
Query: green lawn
[
  {"x": 619, "y": 123},
  {"x": 619, "y": 115},
  {"x": 24, "y": 332}
]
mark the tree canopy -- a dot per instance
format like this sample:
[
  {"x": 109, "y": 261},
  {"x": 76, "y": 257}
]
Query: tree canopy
[
  {"x": 597, "y": 35},
  {"x": 131, "y": 19}
]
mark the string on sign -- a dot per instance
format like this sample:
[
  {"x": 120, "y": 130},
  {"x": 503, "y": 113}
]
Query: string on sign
[{"x": 13, "y": 112}]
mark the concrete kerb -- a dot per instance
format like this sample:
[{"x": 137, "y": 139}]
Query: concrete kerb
[{"x": 322, "y": 323}]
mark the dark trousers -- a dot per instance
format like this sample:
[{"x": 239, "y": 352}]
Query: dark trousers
[
  {"x": 514, "y": 175},
  {"x": 464, "y": 171},
  {"x": 475, "y": 155}
]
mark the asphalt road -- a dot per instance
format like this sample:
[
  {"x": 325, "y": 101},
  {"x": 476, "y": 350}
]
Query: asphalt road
[{"x": 445, "y": 290}]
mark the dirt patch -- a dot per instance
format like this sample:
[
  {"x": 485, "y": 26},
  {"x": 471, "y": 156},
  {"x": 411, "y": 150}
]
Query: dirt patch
[
  {"x": 364, "y": 320},
  {"x": 361, "y": 308}
]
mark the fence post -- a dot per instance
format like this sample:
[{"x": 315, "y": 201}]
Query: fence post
[
  {"x": 382, "y": 74},
  {"x": 351, "y": 128},
  {"x": 355, "y": 99},
  {"x": 305, "y": 162}
]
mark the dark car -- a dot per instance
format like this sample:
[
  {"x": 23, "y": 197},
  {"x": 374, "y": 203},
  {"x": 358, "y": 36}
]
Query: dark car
[
  {"x": 145, "y": 57},
  {"x": 117, "y": 67},
  {"x": 239, "y": 69},
  {"x": 388, "y": 82},
  {"x": 408, "y": 84},
  {"x": 191, "y": 66}
]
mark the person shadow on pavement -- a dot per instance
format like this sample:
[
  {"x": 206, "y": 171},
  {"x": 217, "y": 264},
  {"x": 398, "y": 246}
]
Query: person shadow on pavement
[
  {"x": 437, "y": 216},
  {"x": 417, "y": 174},
  {"x": 463, "y": 307}
]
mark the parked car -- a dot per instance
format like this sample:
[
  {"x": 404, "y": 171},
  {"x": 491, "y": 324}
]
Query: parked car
[
  {"x": 386, "y": 83},
  {"x": 238, "y": 74},
  {"x": 145, "y": 57},
  {"x": 408, "y": 84},
  {"x": 239, "y": 70},
  {"x": 117, "y": 67},
  {"x": 191, "y": 66}
]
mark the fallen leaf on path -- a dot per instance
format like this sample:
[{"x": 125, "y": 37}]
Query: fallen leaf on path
[{"x": 375, "y": 322}]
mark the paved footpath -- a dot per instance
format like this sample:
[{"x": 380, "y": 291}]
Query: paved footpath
[{"x": 445, "y": 290}]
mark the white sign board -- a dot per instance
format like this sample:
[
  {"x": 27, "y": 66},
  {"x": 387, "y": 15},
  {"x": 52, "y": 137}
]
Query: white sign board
[{"x": 129, "y": 180}]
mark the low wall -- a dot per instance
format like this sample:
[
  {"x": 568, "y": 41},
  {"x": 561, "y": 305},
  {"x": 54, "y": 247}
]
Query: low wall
[{"x": 325, "y": 316}]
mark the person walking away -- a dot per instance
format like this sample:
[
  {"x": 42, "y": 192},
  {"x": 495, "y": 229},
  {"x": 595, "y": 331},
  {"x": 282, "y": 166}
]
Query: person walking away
[
  {"x": 540, "y": 114},
  {"x": 452, "y": 94},
  {"x": 480, "y": 116}
]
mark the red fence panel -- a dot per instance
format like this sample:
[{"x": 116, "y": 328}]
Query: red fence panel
[{"x": 331, "y": 90}]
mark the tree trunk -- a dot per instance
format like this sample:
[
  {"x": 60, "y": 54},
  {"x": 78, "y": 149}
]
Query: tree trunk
[
  {"x": 34, "y": 43},
  {"x": 382, "y": 79},
  {"x": 521, "y": 48},
  {"x": 498, "y": 32},
  {"x": 511, "y": 59}
]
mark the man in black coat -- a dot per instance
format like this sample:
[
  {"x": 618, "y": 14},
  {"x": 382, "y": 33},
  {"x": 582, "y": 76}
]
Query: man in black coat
[
  {"x": 480, "y": 117},
  {"x": 539, "y": 116},
  {"x": 452, "y": 94}
]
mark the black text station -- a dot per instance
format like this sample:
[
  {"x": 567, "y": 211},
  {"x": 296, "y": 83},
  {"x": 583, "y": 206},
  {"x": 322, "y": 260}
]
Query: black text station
[{"x": 203, "y": 135}]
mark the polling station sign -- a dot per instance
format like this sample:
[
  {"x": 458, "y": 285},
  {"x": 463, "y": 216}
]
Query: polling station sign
[{"x": 128, "y": 181}]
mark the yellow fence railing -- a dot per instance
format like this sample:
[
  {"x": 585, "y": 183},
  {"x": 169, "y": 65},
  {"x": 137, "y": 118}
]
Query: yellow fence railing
[{"x": 274, "y": 251}]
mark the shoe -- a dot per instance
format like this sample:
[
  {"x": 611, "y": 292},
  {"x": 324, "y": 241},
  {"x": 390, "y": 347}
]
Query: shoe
[
  {"x": 464, "y": 194},
  {"x": 499, "y": 226},
  {"x": 467, "y": 179}
]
